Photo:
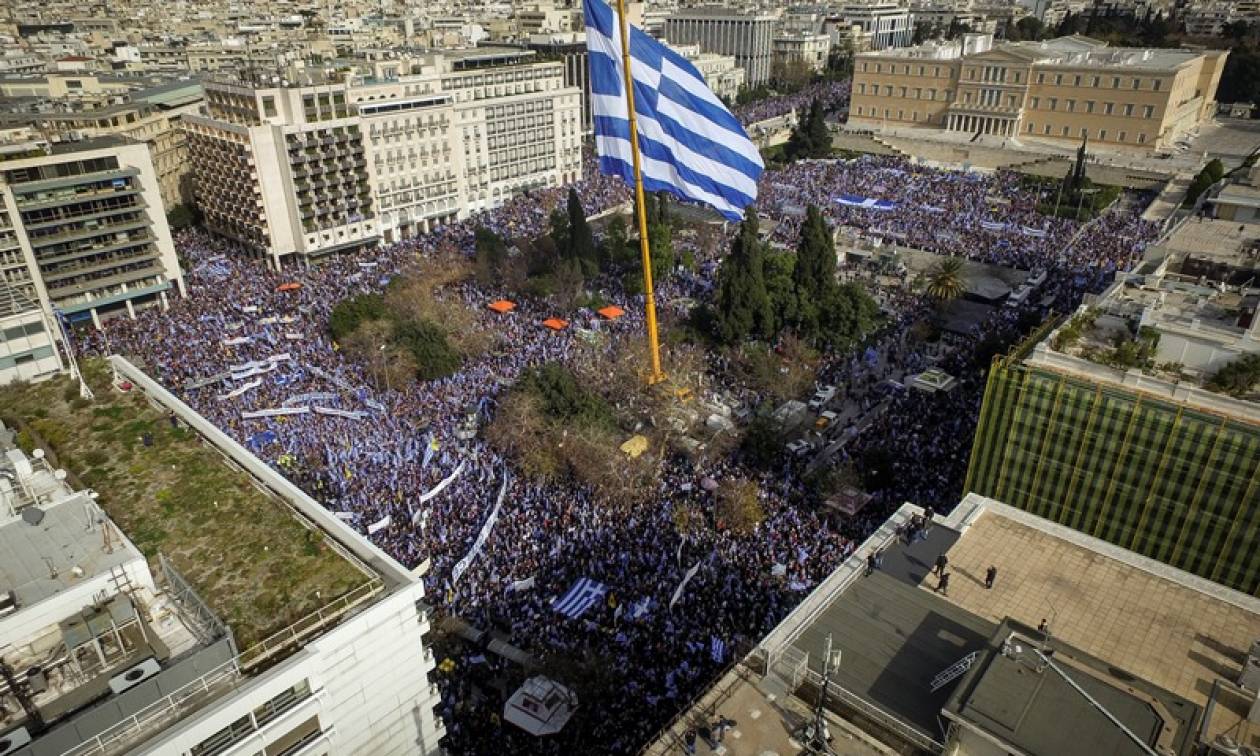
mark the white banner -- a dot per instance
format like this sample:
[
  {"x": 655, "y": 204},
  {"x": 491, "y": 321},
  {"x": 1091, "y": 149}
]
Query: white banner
[
  {"x": 275, "y": 412},
  {"x": 254, "y": 371},
  {"x": 272, "y": 319},
  {"x": 237, "y": 340},
  {"x": 339, "y": 413},
  {"x": 291, "y": 336},
  {"x": 209, "y": 380},
  {"x": 686, "y": 579},
  {"x": 314, "y": 396},
  {"x": 239, "y": 390},
  {"x": 522, "y": 585},
  {"x": 345, "y": 516},
  {"x": 282, "y": 357},
  {"x": 443, "y": 483},
  {"x": 379, "y": 525},
  {"x": 462, "y": 565}
]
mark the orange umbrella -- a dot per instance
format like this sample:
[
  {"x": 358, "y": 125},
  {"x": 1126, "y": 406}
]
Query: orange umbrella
[
  {"x": 611, "y": 312},
  {"x": 556, "y": 324},
  {"x": 501, "y": 306}
]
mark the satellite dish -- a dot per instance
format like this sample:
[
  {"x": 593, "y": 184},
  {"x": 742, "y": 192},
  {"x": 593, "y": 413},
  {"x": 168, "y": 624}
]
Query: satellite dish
[
  {"x": 32, "y": 515},
  {"x": 38, "y": 454}
]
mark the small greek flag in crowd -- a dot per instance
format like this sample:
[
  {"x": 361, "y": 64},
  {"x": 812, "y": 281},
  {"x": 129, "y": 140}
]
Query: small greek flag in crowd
[
  {"x": 717, "y": 649},
  {"x": 584, "y": 594},
  {"x": 690, "y": 145},
  {"x": 640, "y": 608}
]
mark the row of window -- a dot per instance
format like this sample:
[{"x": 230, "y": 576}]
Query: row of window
[
  {"x": 918, "y": 93},
  {"x": 1095, "y": 81},
  {"x": 1066, "y": 131},
  {"x": 1089, "y": 106},
  {"x": 999, "y": 74},
  {"x": 1029, "y": 128},
  {"x": 993, "y": 98},
  {"x": 24, "y": 331}
]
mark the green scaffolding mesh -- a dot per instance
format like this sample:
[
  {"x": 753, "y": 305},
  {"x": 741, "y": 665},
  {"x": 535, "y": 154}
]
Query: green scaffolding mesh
[{"x": 1166, "y": 481}]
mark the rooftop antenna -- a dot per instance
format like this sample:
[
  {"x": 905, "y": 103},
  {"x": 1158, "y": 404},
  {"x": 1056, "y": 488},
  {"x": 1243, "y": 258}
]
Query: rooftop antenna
[{"x": 814, "y": 734}]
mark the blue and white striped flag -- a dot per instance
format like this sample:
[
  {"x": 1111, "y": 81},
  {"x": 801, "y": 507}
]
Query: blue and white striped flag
[
  {"x": 717, "y": 649},
  {"x": 582, "y": 596},
  {"x": 689, "y": 143}
]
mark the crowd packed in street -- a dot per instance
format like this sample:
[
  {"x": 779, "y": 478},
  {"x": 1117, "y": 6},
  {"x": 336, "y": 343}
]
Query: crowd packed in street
[
  {"x": 240, "y": 345},
  {"x": 833, "y": 95}
]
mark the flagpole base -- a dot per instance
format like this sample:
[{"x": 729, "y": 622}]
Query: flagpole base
[{"x": 655, "y": 379}]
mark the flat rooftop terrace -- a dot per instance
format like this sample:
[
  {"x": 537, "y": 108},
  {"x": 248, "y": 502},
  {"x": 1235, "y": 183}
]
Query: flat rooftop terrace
[
  {"x": 1173, "y": 629},
  {"x": 254, "y": 562}
]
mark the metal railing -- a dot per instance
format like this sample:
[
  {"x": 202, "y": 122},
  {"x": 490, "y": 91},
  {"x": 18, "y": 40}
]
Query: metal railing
[
  {"x": 877, "y": 715},
  {"x": 205, "y": 624},
  {"x": 161, "y": 713},
  {"x": 285, "y": 638}
]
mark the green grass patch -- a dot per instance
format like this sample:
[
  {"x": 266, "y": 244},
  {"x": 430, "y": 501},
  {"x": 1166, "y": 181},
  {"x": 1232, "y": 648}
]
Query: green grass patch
[{"x": 251, "y": 560}]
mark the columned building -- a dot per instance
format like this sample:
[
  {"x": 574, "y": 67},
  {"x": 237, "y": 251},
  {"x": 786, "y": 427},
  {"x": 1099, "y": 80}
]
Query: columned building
[
  {"x": 1061, "y": 91},
  {"x": 748, "y": 37}
]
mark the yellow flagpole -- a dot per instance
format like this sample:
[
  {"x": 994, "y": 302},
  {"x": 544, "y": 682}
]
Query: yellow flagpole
[{"x": 655, "y": 376}]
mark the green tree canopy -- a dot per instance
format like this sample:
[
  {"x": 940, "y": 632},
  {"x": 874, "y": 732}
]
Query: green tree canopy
[
  {"x": 742, "y": 306},
  {"x": 810, "y": 138},
  {"x": 1237, "y": 378},
  {"x": 581, "y": 240}
]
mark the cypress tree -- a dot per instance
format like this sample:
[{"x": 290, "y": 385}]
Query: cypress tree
[
  {"x": 581, "y": 240},
  {"x": 813, "y": 278},
  {"x": 742, "y": 307}
]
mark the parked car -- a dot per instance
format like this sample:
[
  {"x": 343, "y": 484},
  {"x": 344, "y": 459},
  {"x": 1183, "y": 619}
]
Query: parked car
[
  {"x": 800, "y": 447},
  {"x": 823, "y": 395}
]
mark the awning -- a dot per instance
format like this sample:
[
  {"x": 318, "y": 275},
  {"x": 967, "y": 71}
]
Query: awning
[
  {"x": 556, "y": 324},
  {"x": 611, "y": 312},
  {"x": 502, "y": 306}
]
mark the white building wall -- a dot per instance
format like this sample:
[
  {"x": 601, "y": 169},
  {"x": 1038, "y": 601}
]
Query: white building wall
[{"x": 369, "y": 688}]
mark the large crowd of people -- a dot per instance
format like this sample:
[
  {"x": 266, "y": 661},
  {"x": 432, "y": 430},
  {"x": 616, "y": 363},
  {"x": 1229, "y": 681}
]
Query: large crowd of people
[{"x": 242, "y": 342}]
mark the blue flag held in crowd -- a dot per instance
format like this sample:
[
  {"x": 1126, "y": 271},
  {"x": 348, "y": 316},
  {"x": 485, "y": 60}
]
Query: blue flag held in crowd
[
  {"x": 584, "y": 594},
  {"x": 690, "y": 145}
]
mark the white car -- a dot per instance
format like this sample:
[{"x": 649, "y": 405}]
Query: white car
[
  {"x": 823, "y": 395},
  {"x": 799, "y": 447}
]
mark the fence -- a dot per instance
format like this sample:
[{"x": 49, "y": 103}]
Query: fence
[
  {"x": 205, "y": 624},
  {"x": 276, "y": 643},
  {"x": 161, "y": 713}
]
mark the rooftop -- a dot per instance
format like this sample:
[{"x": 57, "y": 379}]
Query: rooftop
[
  {"x": 1175, "y": 630},
  {"x": 1150, "y": 643},
  {"x": 1023, "y": 689},
  {"x": 255, "y": 563}
]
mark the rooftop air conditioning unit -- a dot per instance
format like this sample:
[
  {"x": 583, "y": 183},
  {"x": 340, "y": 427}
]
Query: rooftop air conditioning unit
[
  {"x": 134, "y": 676},
  {"x": 10, "y": 742}
]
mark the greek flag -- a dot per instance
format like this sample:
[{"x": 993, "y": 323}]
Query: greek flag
[
  {"x": 690, "y": 144},
  {"x": 717, "y": 649},
  {"x": 584, "y": 594}
]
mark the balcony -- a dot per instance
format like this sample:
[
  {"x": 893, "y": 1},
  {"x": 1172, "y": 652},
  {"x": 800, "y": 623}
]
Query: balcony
[
  {"x": 69, "y": 290},
  {"x": 39, "y": 242},
  {"x": 143, "y": 239}
]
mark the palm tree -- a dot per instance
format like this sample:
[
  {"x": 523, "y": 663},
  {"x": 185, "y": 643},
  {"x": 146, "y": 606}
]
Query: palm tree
[{"x": 946, "y": 280}]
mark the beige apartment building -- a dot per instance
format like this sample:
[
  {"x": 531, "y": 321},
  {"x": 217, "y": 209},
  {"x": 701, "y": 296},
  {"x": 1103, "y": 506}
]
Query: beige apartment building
[
  {"x": 297, "y": 171},
  {"x": 1061, "y": 90}
]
